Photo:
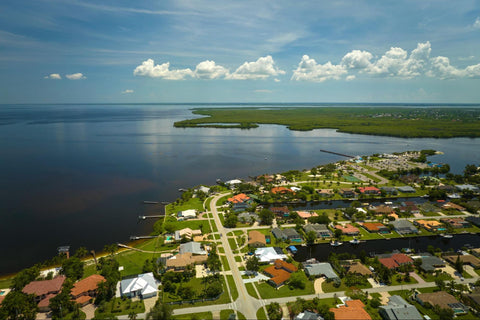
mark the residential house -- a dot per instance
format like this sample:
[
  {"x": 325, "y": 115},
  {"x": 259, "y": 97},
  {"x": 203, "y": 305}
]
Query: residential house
[
  {"x": 395, "y": 260},
  {"x": 473, "y": 299},
  {"x": 404, "y": 227},
  {"x": 308, "y": 315},
  {"x": 256, "y": 239},
  {"x": 369, "y": 190},
  {"x": 193, "y": 247},
  {"x": 85, "y": 290},
  {"x": 406, "y": 189},
  {"x": 326, "y": 193},
  {"x": 239, "y": 198},
  {"x": 306, "y": 214},
  {"x": 187, "y": 233},
  {"x": 280, "y": 272},
  {"x": 248, "y": 217},
  {"x": 270, "y": 254},
  {"x": 44, "y": 290},
  {"x": 347, "y": 193},
  {"x": 348, "y": 229},
  {"x": 474, "y": 220},
  {"x": 452, "y": 206},
  {"x": 180, "y": 261},
  {"x": 187, "y": 214},
  {"x": 279, "y": 234},
  {"x": 383, "y": 209},
  {"x": 465, "y": 258},
  {"x": 466, "y": 187},
  {"x": 398, "y": 309},
  {"x": 430, "y": 225},
  {"x": 375, "y": 227},
  {"x": 456, "y": 222},
  {"x": 281, "y": 190},
  {"x": 292, "y": 235},
  {"x": 409, "y": 207},
  {"x": 352, "y": 310},
  {"x": 443, "y": 300},
  {"x": 280, "y": 211},
  {"x": 389, "y": 190},
  {"x": 358, "y": 268},
  {"x": 321, "y": 230},
  {"x": 142, "y": 286},
  {"x": 429, "y": 262},
  {"x": 320, "y": 269}
]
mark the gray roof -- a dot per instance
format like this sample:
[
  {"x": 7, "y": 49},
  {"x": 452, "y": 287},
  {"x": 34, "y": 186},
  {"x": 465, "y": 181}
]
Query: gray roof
[
  {"x": 291, "y": 233},
  {"x": 430, "y": 262},
  {"x": 406, "y": 189},
  {"x": 193, "y": 247},
  {"x": 319, "y": 229},
  {"x": 318, "y": 269},
  {"x": 278, "y": 233},
  {"x": 404, "y": 224},
  {"x": 308, "y": 315},
  {"x": 398, "y": 309}
]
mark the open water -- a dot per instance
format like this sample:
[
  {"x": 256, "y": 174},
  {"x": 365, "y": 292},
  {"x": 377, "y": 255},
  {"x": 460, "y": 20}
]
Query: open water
[{"x": 77, "y": 174}]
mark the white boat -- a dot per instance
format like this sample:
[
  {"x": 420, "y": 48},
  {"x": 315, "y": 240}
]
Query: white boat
[
  {"x": 447, "y": 236},
  {"x": 336, "y": 243},
  {"x": 354, "y": 241}
]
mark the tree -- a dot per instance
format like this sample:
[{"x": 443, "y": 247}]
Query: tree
[
  {"x": 160, "y": 311},
  {"x": 252, "y": 264},
  {"x": 213, "y": 260},
  {"x": 338, "y": 234},
  {"x": 111, "y": 248},
  {"x": 266, "y": 216},
  {"x": 310, "y": 237},
  {"x": 62, "y": 304},
  {"x": 459, "y": 265},
  {"x": 297, "y": 280},
  {"x": 24, "y": 277},
  {"x": 81, "y": 252},
  {"x": 231, "y": 220},
  {"x": 214, "y": 289},
  {"x": 73, "y": 268},
  {"x": 18, "y": 305},
  {"x": 274, "y": 311}
]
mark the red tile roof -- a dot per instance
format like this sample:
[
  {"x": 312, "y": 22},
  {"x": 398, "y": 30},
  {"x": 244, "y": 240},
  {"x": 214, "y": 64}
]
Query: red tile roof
[
  {"x": 280, "y": 190},
  {"x": 368, "y": 189},
  {"x": 373, "y": 226},
  {"x": 352, "y": 310},
  {"x": 390, "y": 263},
  {"x": 280, "y": 271},
  {"x": 239, "y": 198},
  {"x": 45, "y": 286},
  {"x": 347, "y": 228},
  {"x": 88, "y": 284},
  {"x": 401, "y": 258}
]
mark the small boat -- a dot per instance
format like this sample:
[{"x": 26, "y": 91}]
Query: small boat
[
  {"x": 336, "y": 243},
  {"x": 150, "y": 202},
  {"x": 447, "y": 236},
  {"x": 354, "y": 241}
]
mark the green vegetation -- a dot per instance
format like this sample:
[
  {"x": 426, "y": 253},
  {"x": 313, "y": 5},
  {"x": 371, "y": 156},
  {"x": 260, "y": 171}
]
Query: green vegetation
[
  {"x": 387, "y": 121},
  {"x": 199, "y": 315},
  {"x": 118, "y": 306},
  {"x": 268, "y": 292},
  {"x": 233, "y": 287},
  {"x": 251, "y": 290},
  {"x": 261, "y": 315}
]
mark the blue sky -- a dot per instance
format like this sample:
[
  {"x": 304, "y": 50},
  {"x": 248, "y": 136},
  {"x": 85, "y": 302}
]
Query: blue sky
[{"x": 76, "y": 51}]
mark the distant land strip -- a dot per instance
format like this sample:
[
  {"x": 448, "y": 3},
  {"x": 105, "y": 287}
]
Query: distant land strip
[{"x": 383, "y": 121}]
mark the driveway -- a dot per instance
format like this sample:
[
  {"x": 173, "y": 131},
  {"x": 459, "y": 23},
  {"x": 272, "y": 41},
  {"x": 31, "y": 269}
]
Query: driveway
[
  {"x": 257, "y": 278},
  {"x": 318, "y": 285}
]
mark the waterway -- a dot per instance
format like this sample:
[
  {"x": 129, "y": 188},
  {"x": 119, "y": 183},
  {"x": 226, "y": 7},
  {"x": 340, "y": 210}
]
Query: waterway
[
  {"x": 77, "y": 174},
  {"x": 372, "y": 247}
]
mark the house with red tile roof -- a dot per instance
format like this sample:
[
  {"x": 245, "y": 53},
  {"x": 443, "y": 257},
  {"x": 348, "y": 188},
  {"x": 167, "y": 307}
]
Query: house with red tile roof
[
  {"x": 280, "y": 211},
  {"x": 281, "y": 190},
  {"x": 44, "y": 290},
  {"x": 393, "y": 261},
  {"x": 369, "y": 190},
  {"x": 280, "y": 272},
  {"x": 306, "y": 214},
  {"x": 376, "y": 227},
  {"x": 352, "y": 310},
  {"x": 86, "y": 289},
  {"x": 239, "y": 198},
  {"x": 348, "y": 229}
]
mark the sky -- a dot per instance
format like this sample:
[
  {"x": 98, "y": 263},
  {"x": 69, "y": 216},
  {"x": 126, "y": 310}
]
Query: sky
[{"x": 118, "y": 51}]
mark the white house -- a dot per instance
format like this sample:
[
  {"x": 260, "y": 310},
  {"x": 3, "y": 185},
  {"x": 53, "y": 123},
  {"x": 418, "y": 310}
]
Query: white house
[
  {"x": 143, "y": 286},
  {"x": 187, "y": 214},
  {"x": 270, "y": 254}
]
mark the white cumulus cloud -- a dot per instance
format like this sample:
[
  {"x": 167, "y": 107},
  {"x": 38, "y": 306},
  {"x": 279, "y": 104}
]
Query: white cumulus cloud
[
  {"x": 263, "y": 68},
  {"x": 75, "y": 76},
  {"x": 53, "y": 76},
  {"x": 210, "y": 70},
  {"x": 309, "y": 70},
  {"x": 149, "y": 69},
  {"x": 357, "y": 59},
  {"x": 127, "y": 91},
  {"x": 476, "y": 24}
]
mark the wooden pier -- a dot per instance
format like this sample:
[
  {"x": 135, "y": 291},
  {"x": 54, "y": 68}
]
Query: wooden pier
[
  {"x": 336, "y": 153},
  {"x": 142, "y": 237},
  {"x": 148, "y": 217}
]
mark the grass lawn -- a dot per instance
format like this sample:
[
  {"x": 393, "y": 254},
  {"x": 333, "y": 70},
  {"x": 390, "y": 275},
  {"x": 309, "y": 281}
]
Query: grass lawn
[
  {"x": 197, "y": 285},
  {"x": 430, "y": 277},
  {"x": 119, "y": 306},
  {"x": 329, "y": 287},
  {"x": 238, "y": 259},
  {"x": 233, "y": 287},
  {"x": 5, "y": 283},
  {"x": 268, "y": 292},
  {"x": 396, "y": 282},
  {"x": 261, "y": 315},
  {"x": 224, "y": 314},
  {"x": 199, "y": 315},
  {"x": 225, "y": 264},
  {"x": 251, "y": 290},
  {"x": 193, "y": 203},
  {"x": 241, "y": 316},
  {"x": 232, "y": 243},
  {"x": 427, "y": 290},
  {"x": 223, "y": 199},
  {"x": 132, "y": 261},
  {"x": 238, "y": 232}
]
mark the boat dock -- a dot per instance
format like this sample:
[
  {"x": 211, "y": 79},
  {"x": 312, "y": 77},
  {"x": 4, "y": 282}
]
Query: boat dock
[
  {"x": 147, "y": 217},
  {"x": 142, "y": 237},
  {"x": 336, "y": 153}
]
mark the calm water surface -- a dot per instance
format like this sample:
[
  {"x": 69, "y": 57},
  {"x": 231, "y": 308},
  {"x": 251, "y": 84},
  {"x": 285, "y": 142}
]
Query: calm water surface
[{"x": 76, "y": 174}]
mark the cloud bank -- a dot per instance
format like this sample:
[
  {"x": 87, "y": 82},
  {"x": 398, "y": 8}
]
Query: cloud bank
[{"x": 76, "y": 76}]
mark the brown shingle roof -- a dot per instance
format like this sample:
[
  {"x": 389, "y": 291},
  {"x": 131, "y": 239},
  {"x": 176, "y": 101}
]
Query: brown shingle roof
[
  {"x": 359, "y": 269},
  {"x": 88, "y": 284},
  {"x": 45, "y": 286},
  {"x": 255, "y": 236},
  {"x": 440, "y": 298}
]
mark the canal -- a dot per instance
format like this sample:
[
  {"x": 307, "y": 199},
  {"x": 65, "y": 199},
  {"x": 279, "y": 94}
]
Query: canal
[{"x": 419, "y": 244}]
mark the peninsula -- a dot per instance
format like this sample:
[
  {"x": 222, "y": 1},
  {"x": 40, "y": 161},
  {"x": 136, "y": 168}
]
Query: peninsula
[{"x": 406, "y": 122}]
